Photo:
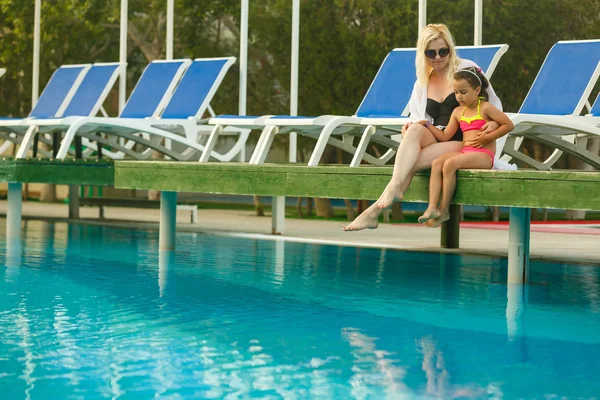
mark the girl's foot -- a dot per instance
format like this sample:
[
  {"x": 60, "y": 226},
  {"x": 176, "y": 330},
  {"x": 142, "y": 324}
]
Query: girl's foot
[
  {"x": 391, "y": 194},
  {"x": 429, "y": 215},
  {"x": 434, "y": 223},
  {"x": 369, "y": 219}
]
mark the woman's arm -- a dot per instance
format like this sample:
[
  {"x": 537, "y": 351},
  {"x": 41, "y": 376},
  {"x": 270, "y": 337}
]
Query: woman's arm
[
  {"x": 493, "y": 114},
  {"x": 448, "y": 132}
]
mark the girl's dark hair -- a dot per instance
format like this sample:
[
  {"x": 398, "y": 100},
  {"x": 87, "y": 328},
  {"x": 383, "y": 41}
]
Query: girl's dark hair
[{"x": 471, "y": 75}]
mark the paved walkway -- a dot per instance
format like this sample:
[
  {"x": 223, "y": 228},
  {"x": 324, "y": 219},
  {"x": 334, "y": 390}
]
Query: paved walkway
[{"x": 572, "y": 243}]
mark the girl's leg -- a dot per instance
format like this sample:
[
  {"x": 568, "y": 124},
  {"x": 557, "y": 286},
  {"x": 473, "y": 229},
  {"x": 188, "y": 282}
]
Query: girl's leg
[
  {"x": 435, "y": 188},
  {"x": 464, "y": 161},
  {"x": 401, "y": 178}
]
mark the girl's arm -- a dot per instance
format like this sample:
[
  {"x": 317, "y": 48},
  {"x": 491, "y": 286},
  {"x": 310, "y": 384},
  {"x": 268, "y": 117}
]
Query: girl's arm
[
  {"x": 446, "y": 134},
  {"x": 493, "y": 114}
]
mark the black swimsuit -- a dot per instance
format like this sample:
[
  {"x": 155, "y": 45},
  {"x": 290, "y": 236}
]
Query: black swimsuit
[{"x": 441, "y": 113}]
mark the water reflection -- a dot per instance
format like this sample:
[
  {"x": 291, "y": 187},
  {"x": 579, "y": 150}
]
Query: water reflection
[
  {"x": 271, "y": 318},
  {"x": 166, "y": 262}
]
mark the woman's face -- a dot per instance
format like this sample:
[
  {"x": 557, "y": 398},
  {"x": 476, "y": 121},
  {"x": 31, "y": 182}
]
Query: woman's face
[{"x": 436, "y": 60}]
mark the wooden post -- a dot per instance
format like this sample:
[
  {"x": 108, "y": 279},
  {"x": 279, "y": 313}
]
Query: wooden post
[{"x": 450, "y": 236}]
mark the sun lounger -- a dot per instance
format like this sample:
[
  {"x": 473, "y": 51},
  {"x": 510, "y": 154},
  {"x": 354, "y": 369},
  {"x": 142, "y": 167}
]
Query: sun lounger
[
  {"x": 52, "y": 102},
  {"x": 178, "y": 121},
  {"x": 148, "y": 99},
  {"x": 551, "y": 112},
  {"x": 87, "y": 100}
]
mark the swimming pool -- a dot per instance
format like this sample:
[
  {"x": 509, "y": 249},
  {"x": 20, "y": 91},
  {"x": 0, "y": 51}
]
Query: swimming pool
[{"x": 96, "y": 312}]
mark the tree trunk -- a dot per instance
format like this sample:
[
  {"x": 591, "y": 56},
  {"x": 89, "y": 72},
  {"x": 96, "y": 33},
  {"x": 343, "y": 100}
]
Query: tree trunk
[
  {"x": 260, "y": 211},
  {"x": 350, "y": 214},
  {"x": 495, "y": 213},
  {"x": 48, "y": 193},
  {"x": 309, "y": 206},
  {"x": 299, "y": 207},
  {"x": 324, "y": 208},
  {"x": 397, "y": 213}
]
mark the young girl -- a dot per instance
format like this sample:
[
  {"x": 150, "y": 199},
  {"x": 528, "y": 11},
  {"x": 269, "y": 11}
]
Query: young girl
[{"x": 478, "y": 148}]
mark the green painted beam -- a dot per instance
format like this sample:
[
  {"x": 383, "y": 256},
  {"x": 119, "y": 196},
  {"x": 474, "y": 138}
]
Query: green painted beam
[
  {"x": 66, "y": 172},
  {"x": 524, "y": 188}
]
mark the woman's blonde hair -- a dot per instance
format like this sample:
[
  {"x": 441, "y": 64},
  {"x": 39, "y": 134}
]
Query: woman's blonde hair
[{"x": 428, "y": 34}]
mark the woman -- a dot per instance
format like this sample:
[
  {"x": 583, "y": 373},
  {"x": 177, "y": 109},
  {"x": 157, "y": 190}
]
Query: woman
[{"x": 433, "y": 100}]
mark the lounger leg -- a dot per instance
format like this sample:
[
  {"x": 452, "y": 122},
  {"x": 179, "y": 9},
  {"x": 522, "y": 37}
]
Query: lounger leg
[
  {"x": 278, "y": 216},
  {"x": 67, "y": 140},
  {"x": 26, "y": 142},
  {"x": 317, "y": 153},
  {"x": 518, "y": 245},
  {"x": 210, "y": 144},
  {"x": 264, "y": 144},
  {"x": 168, "y": 220},
  {"x": 362, "y": 145}
]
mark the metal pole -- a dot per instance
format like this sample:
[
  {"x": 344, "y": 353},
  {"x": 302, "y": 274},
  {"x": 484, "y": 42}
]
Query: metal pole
[
  {"x": 294, "y": 75},
  {"x": 13, "y": 214},
  {"x": 243, "y": 57},
  {"x": 170, "y": 17},
  {"x": 478, "y": 23},
  {"x": 169, "y": 46},
  {"x": 422, "y": 14},
  {"x": 123, "y": 55},
  {"x": 168, "y": 220},
  {"x": 37, "y": 21},
  {"x": 518, "y": 245}
]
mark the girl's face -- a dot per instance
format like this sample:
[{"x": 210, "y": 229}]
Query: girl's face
[
  {"x": 439, "y": 49},
  {"x": 466, "y": 95}
]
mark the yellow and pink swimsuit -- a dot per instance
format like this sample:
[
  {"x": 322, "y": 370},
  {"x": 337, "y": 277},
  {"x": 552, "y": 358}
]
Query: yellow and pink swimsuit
[{"x": 474, "y": 123}]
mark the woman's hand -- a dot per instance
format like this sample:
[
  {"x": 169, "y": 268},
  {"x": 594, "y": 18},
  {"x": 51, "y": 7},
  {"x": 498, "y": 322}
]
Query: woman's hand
[
  {"x": 478, "y": 141},
  {"x": 406, "y": 126},
  {"x": 490, "y": 127}
]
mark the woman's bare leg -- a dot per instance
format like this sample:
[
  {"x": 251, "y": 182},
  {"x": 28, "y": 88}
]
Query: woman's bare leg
[
  {"x": 451, "y": 165},
  {"x": 413, "y": 141}
]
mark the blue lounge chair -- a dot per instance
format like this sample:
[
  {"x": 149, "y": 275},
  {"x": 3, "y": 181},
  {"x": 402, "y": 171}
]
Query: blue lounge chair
[
  {"x": 178, "y": 121},
  {"x": 551, "y": 112},
  {"x": 386, "y": 100},
  {"x": 87, "y": 100},
  {"x": 52, "y": 102},
  {"x": 147, "y": 100}
]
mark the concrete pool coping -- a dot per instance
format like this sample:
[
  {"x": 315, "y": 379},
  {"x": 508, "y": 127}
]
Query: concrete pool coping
[{"x": 559, "y": 246}]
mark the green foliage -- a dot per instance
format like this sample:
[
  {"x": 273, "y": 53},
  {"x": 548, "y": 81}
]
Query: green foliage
[{"x": 342, "y": 43}]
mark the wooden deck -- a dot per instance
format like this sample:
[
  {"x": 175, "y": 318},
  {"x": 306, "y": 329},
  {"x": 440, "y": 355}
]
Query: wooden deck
[{"x": 524, "y": 188}]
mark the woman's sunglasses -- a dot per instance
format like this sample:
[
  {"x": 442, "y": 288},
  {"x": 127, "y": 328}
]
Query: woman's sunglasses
[{"x": 443, "y": 52}]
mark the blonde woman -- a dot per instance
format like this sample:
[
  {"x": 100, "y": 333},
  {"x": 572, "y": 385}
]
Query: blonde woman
[{"x": 432, "y": 100}]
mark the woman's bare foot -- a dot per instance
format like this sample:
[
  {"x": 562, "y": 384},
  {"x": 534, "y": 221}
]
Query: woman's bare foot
[
  {"x": 369, "y": 219},
  {"x": 391, "y": 194},
  {"x": 429, "y": 214},
  {"x": 434, "y": 223}
]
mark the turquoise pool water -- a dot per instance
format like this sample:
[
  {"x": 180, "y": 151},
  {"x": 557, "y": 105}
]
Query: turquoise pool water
[{"x": 93, "y": 312}]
